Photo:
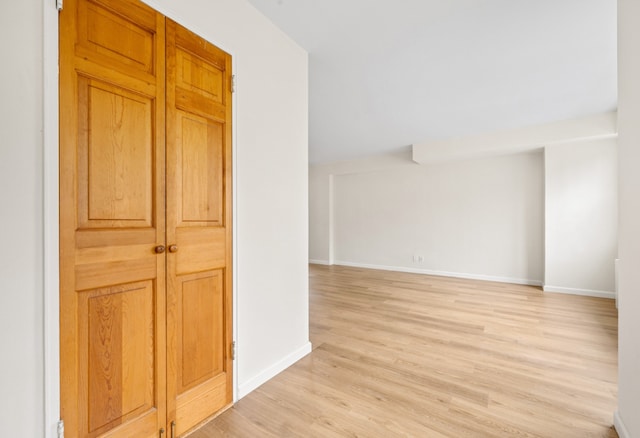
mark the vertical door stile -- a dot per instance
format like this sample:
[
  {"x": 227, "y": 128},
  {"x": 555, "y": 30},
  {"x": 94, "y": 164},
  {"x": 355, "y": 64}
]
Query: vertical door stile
[{"x": 170, "y": 171}]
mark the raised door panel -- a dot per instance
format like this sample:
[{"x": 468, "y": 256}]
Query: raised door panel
[
  {"x": 118, "y": 34},
  {"x": 198, "y": 224},
  {"x": 201, "y": 379},
  {"x": 112, "y": 282},
  {"x": 119, "y": 364},
  {"x": 115, "y": 157},
  {"x": 200, "y": 329},
  {"x": 199, "y": 170}
]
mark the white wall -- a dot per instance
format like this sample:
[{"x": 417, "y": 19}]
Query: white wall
[
  {"x": 475, "y": 207},
  {"x": 21, "y": 225},
  {"x": 479, "y": 218},
  {"x": 581, "y": 210},
  {"x": 321, "y": 202},
  {"x": 271, "y": 216},
  {"x": 320, "y": 216},
  {"x": 627, "y": 417}
]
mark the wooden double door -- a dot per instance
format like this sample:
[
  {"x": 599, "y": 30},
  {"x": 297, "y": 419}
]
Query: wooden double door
[{"x": 145, "y": 223}]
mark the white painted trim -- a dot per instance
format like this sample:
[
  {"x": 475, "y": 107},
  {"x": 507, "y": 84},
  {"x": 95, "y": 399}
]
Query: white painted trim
[
  {"x": 320, "y": 262},
  {"x": 442, "y": 273},
  {"x": 234, "y": 221},
  {"x": 616, "y": 282},
  {"x": 583, "y": 292},
  {"x": 370, "y": 163},
  {"x": 273, "y": 370},
  {"x": 596, "y": 127},
  {"x": 331, "y": 219},
  {"x": 622, "y": 430},
  {"x": 51, "y": 266}
]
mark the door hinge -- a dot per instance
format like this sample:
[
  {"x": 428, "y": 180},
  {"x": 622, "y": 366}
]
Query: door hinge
[
  {"x": 60, "y": 429},
  {"x": 233, "y": 350},
  {"x": 59, "y": 5},
  {"x": 233, "y": 83}
]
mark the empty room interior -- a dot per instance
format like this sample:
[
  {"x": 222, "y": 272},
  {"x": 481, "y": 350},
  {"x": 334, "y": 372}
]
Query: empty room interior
[{"x": 288, "y": 218}]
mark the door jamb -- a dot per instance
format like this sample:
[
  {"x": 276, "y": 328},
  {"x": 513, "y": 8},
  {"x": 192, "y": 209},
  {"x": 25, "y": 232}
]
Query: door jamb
[{"x": 51, "y": 265}]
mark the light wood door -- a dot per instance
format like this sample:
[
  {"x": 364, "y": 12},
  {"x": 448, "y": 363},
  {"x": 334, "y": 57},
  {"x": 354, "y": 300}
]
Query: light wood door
[
  {"x": 121, "y": 375},
  {"x": 198, "y": 227},
  {"x": 112, "y": 217}
]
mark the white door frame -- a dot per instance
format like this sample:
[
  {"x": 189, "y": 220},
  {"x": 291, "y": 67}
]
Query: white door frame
[{"x": 51, "y": 335}]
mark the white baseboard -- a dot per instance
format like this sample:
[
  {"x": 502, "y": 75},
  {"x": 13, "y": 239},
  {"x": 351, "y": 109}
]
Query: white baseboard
[
  {"x": 275, "y": 369},
  {"x": 319, "y": 262},
  {"x": 583, "y": 292},
  {"x": 442, "y": 273},
  {"x": 619, "y": 425}
]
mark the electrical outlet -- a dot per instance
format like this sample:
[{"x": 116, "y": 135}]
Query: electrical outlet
[{"x": 418, "y": 258}]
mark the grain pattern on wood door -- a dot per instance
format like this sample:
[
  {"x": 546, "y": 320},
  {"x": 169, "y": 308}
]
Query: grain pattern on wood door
[
  {"x": 112, "y": 204},
  {"x": 199, "y": 378}
]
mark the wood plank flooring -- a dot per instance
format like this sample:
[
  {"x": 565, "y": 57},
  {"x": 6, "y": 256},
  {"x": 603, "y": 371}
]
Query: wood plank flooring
[{"x": 399, "y": 355}]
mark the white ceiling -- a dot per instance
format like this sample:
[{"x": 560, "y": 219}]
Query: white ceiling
[{"x": 387, "y": 74}]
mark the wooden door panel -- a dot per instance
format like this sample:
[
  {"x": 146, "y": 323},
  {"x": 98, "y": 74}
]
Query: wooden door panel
[
  {"x": 120, "y": 362},
  {"x": 200, "y": 328},
  {"x": 115, "y": 157},
  {"x": 198, "y": 223},
  {"x": 201, "y": 79},
  {"x": 198, "y": 76},
  {"x": 200, "y": 170},
  {"x": 118, "y": 34},
  {"x": 112, "y": 282}
]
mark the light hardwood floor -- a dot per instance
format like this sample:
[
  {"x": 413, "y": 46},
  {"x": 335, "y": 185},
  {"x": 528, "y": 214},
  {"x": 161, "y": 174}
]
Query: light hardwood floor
[{"x": 412, "y": 355}]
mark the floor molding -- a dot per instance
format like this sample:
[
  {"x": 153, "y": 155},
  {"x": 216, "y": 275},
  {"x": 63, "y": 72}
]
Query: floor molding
[
  {"x": 275, "y": 369},
  {"x": 583, "y": 292},
  {"x": 619, "y": 425},
  {"x": 442, "y": 273},
  {"x": 319, "y": 262}
]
